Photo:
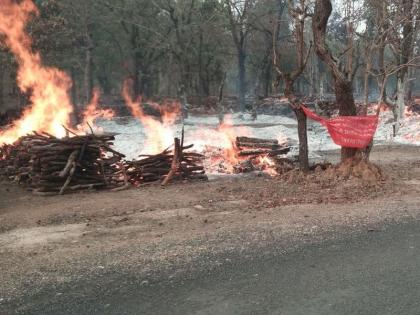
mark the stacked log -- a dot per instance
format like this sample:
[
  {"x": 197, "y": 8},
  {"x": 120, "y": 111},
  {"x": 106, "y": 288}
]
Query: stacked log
[
  {"x": 170, "y": 164},
  {"x": 256, "y": 147},
  {"x": 260, "y": 155},
  {"x": 49, "y": 165}
]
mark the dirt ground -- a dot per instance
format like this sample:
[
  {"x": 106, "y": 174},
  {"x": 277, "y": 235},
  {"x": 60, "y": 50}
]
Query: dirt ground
[{"x": 45, "y": 241}]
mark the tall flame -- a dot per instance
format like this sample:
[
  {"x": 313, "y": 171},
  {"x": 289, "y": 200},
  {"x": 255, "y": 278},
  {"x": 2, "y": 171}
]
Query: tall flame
[
  {"x": 159, "y": 132},
  {"x": 48, "y": 87},
  {"x": 228, "y": 136}
]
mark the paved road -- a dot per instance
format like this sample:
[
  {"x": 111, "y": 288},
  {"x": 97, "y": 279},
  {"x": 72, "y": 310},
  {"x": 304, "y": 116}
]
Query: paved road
[{"x": 370, "y": 273}]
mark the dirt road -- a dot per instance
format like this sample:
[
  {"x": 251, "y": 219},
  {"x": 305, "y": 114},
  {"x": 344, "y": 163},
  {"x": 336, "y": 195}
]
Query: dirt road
[
  {"x": 49, "y": 244},
  {"x": 368, "y": 272}
]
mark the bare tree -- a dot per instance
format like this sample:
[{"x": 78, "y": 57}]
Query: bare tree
[
  {"x": 342, "y": 85},
  {"x": 375, "y": 37},
  {"x": 240, "y": 26},
  {"x": 83, "y": 12},
  {"x": 298, "y": 13},
  {"x": 395, "y": 30},
  {"x": 404, "y": 48}
]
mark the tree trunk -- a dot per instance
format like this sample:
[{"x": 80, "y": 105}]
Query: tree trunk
[
  {"x": 136, "y": 77},
  {"x": 410, "y": 83},
  {"x": 137, "y": 57},
  {"x": 242, "y": 79},
  {"x": 366, "y": 90},
  {"x": 145, "y": 82},
  {"x": 267, "y": 78},
  {"x": 343, "y": 86},
  {"x": 1, "y": 85},
  {"x": 303, "y": 140},
  {"x": 88, "y": 71},
  {"x": 366, "y": 78},
  {"x": 302, "y": 125},
  {"x": 201, "y": 84},
  {"x": 382, "y": 79},
  {"x": 314, "y": 75},
  {"x": 345, "y": 100},
  {"x": 88, "y": 81},
  {"x": 400, "y": 105},
  {"x": 408, "y": 9}
]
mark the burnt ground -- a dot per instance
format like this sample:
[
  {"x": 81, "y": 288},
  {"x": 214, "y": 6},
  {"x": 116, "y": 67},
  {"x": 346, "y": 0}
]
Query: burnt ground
[{"x": 155, "y": 232}]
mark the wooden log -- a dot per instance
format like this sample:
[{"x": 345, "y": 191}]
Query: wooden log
[
  {"x": 258, "y": 145},
  {"x": 69, "y": 178},
  {"x": 49, "y": 164},
  {"x": 255, "y": 140},
  {"x": 86, "y": 186},
  {"x": 175, "y": 162},
  {"x": 264, "y": 151},
  {"x": 281, "y": 151},
  {"x": 70, "y": 162}
]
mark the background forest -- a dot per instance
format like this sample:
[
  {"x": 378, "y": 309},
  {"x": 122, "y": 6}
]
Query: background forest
[{"x": 170, "y": 48}]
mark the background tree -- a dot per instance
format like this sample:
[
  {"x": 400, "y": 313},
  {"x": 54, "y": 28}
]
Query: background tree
[
  {"x": 240, "y": 20},
  {"x": 341, "y": 77},
  {"x": 362, "y": 48},
  {"x": 298, "y": 12}
]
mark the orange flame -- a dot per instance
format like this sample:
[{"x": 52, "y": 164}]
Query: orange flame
[
  {"x": 228, "y": 138},
  {"x": 93, "y": 112},
  {"x": 50, "y": 102},
  {"x": 267, "y": 165},
  {"x": 159, "y": 133}
]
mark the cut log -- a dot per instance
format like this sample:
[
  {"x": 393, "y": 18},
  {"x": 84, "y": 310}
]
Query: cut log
[
  {"x": 264, "y": 152},
  {"x": 70, "y": 162},
  {"x": 256, "y": 140},
  {"x": 257, "y": 145},
  {"x": 176, "y": 162}
]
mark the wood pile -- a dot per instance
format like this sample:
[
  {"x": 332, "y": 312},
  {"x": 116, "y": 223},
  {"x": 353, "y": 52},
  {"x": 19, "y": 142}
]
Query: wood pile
[
  {"x": 49, "y": 165},
  {"x": 170, "y": 164},
  {"x": 260, "y": 155},
  {"x": 254, "y": 147}
]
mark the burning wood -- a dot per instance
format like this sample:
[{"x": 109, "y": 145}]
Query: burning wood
[
  {"x": 261, "y": 155},
  {"x": 247, "y": 155},
  {"x": 50, "y": 165}
]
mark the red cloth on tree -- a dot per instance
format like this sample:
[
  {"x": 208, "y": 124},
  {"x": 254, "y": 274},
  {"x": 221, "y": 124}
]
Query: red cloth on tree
[{"x": 348, "y": 131}]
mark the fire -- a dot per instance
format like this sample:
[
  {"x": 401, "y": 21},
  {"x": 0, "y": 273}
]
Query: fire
[
  {"x": 159, "y": 132},
  {"x": 267, "y": 165},
  {"x": 225, "y": 156},
  {"x": 93, "y": 112},
  {"x": 48, "y": 87},
  {"x": 218, "y": 144},
  {"x": 227, "y": 137}
]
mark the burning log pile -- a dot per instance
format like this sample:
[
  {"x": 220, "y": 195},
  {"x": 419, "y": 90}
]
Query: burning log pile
[
  {"x": 50, "y": 165},
  {"x": 168, "y": 165},
  {"x": 261, "y": 155},
  {"x": 250, "y": 154}
]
